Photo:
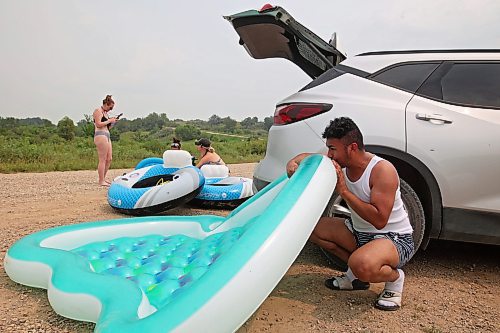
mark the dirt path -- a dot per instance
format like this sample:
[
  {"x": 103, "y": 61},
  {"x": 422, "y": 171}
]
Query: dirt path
[{"x": 449, "y": 288}]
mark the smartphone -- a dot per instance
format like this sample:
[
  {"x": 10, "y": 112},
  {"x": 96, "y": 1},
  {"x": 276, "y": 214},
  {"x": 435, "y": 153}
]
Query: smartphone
[{"x": 118, "y": 116}]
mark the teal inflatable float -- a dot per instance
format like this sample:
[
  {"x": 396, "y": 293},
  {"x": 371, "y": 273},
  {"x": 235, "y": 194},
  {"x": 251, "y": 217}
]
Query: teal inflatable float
[{"x": 176, "y": 273}]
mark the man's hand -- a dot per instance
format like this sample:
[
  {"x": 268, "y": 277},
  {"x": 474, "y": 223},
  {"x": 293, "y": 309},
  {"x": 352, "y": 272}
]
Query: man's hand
[
  {"x": 293, "y": 164},
  {"x": 341, "y": 187},
  {"x": 291, "y": 167}
]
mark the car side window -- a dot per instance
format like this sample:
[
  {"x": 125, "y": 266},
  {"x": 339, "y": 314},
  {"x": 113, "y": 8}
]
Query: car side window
[
  {"x": 408, "y": 77},
  {"x": 475, "y": 84},
  {"x": 465, "y": 83}
]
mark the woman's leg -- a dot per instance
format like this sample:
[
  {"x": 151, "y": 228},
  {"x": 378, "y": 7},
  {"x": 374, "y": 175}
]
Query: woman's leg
[
  {"x": 109, "y": 157},
  {"x": 102, "y": 145}
]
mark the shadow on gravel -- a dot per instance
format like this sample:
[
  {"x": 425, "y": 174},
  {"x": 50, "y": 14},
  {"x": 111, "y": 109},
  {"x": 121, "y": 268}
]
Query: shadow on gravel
[
  {"x": 460, "y": 255},
  {"x": 445, "y": 254},
  {"x": 309, "y": 288}
]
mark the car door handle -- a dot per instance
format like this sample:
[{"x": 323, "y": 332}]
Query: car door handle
[{"x": 430, "y": 117}]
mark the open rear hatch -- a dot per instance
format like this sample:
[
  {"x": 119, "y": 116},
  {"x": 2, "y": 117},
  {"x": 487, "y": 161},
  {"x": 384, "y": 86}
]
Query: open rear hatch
[{"x": 273, "y": 33}]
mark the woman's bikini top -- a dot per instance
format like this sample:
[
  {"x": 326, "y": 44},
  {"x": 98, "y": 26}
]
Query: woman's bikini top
[
  {"x": 219, "y": 162},
  {"x": 103, "y": 119}
]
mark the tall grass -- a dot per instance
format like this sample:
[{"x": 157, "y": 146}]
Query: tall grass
[{"x": 28, "y": 154}]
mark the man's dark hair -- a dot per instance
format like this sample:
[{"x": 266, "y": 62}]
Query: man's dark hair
[{"x": 346, "y": 130}]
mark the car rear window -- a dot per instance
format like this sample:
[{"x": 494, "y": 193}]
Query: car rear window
[
  {"x": 334, "y": 73},
  {"x": 329, "y": 75},
  {"x": 407, "y": 76}
]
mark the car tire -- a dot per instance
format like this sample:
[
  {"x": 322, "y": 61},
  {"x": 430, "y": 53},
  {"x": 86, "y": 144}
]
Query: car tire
[
  {"x": 415, "y": 211},
  {"x": 337, "y": 207}
]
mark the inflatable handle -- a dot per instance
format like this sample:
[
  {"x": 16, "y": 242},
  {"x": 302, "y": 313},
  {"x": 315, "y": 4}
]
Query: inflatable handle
[{"x": 148, "y": 162}]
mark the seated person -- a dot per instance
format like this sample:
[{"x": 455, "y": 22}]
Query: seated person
[
  {"x": 176, "y": 144},
  {"x": 208, "y": 156}
]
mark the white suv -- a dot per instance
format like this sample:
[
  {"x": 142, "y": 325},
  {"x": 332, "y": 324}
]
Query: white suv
[{"x": 434, "y": 114}]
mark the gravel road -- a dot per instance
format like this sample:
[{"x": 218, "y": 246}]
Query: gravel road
[{"x": 451, "y": 287}]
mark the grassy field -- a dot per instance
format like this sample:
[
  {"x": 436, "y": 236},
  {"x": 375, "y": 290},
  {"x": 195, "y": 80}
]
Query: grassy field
[{"x": 32, "y": 153}]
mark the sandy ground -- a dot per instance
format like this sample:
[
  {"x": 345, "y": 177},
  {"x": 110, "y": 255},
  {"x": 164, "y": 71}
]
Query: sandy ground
[{"x": 451, "y": 287}]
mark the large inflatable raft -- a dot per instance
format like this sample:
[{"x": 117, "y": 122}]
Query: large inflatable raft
[
  {"x": 155, "y": 187},
  {"x": 176, "y": 273}
]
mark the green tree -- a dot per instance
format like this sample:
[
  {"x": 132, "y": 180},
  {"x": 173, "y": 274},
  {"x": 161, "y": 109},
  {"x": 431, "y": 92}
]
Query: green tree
[
  {"x": 154, "y": 122},
  {"x": 249, "y": 122},
  {"x": 229, "y": 124},
  {"x": 139, "y": 136},
  {"x": 214, "y": 120},
  {"x": 268, "y": 122},
  {"x": 66, "y": 128},
  {"x": 85, "y": 127},
  {"x": 166, "y": 133},
  {"x": 187, "y": 132},
  {"x": 35, "y": 122}
]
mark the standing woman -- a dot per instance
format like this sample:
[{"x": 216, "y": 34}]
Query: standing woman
[{"x": 102, "y": 140}]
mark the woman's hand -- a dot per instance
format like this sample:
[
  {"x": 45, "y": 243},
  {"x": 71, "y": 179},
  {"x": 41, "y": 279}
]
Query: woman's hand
[{"x": 112, "y": 120}]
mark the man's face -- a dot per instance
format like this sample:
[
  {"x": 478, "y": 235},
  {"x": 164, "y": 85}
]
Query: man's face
[{"x": 338, "y": 152}]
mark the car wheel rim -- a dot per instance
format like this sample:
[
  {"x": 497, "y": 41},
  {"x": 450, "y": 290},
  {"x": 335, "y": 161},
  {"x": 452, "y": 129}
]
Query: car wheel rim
[{"x": 338, "y": 208}]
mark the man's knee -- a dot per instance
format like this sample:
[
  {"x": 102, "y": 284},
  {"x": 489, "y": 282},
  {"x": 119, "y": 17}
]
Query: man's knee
[{"x": 363, "y": 266}]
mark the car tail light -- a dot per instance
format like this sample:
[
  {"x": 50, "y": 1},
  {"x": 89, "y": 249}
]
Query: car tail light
[
  {"x": 267, "y": 6},
  {"x": 291, "y": 113}
]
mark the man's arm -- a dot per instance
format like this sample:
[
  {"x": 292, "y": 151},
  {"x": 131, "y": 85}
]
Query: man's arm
[
  {"x": 383, "y": 183},
  {"x": 293, "y": 164}
]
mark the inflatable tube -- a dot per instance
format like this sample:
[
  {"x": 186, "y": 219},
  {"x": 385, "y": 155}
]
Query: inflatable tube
[
  {"x": 156, "y": 160},
  {"x": 148, "y": 162},
  {"x": 156, "y": 188},
  {"x": 222, "y": 191},
  {"x": 176, "y": 273}
]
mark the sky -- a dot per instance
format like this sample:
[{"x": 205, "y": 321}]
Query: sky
[{"x": 62, "y": 57}]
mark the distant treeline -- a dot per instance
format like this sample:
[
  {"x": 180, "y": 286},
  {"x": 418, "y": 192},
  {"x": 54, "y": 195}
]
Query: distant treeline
[
  {"x": 250, "y": 126},
  {"x": 35, "y": 144}
]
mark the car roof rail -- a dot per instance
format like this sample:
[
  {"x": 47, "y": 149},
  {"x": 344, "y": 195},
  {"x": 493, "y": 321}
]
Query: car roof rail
[{"x": 431, "y": 51}]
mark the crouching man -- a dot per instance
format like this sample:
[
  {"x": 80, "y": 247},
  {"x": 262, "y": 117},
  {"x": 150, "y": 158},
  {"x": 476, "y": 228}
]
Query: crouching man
[{"x": 377, "y": 240}]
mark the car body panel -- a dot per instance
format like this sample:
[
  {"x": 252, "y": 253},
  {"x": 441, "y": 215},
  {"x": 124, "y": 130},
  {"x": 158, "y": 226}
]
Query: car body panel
[
  {"x": 287, "y": 141},
  {"x": 378, "y": 105},
  {"x": 470, "y": 226},
  {"x": 458, "y": 153}
]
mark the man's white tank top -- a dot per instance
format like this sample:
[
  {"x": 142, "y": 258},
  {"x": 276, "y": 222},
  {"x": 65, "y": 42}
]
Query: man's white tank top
[{"x": 398, "y": 220}]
